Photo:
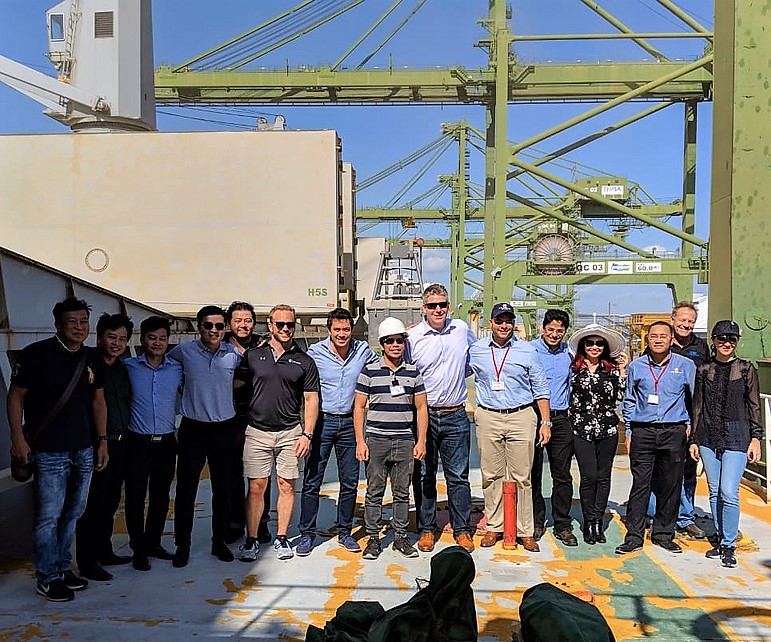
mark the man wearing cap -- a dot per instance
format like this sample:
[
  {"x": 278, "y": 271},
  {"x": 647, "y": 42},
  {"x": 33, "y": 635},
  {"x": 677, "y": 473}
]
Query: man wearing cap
[
  {"x": 509, "y": 378},
  {"x": 657, "y": 411},
  {"x": 556, "y": 359},
  {"x": 396, "y": 426},
  {"x": 439, "y": 346}
]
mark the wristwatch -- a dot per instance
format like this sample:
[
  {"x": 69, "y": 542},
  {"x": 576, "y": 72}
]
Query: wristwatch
[
  {"x": 309, "y": 435},
  {"x": 102, "y": 437},
  {"x": 546, "y": 423}
]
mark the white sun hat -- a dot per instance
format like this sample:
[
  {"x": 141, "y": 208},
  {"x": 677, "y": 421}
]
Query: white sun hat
[{"x": 615, "y": 340}]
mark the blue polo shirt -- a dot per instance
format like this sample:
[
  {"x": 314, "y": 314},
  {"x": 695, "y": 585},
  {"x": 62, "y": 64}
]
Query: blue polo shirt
[
  {"x": 154, "y": 393},
  {"x": 338, "y": 378},
  {"x": 521, "y": 373},
  {"x": 676, "y": 376},
  {"x": 556, "y": 365},
  {"x": 207, "y": 393}
]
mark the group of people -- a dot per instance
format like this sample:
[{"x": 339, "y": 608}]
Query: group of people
[{"x": 98, "y": 425}]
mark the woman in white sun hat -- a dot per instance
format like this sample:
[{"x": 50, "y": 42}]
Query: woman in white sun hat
[{"x": 599, "y": 379}]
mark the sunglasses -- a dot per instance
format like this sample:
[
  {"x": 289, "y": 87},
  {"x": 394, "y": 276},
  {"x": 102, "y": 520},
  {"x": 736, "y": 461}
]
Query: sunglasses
[
  {"x": 290, "y": 325},
  {"x": 594, "y": 342},
  {"x": 726, "y": 338},
  {"x": 503, "y": 320},
  {"x": 441, "y": 304},
  {"x": 208, "y": 325},
  {"x": 391, "y": 340}
]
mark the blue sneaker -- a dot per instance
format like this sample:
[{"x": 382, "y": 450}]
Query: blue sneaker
[
  {"x": 304, "y": 546},
  {"x": 349, "y": 544}
]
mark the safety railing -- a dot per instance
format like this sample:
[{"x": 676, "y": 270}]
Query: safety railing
[{"x": 759, "y": 474}]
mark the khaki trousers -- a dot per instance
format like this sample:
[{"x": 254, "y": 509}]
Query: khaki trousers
[{"x": 506, "y": 446}]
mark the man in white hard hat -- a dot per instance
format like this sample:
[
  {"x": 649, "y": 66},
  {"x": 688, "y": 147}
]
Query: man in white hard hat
[{"x": 397, "y": 402}]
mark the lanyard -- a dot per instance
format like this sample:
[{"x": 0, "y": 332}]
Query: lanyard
[
  {"x": 495, "y": 365},
  {"x": 655, "y": 378}
]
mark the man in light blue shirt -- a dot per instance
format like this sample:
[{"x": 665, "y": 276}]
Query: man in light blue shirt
[
  {"x": 657, "y": 409},
  {"x": 339, "y": 359},
  {"x": 509, "y": 378},
  {"x": 438, "y": 346},
  {"x": 556, "y": 359},
  {"x": 151, "y": 445}
]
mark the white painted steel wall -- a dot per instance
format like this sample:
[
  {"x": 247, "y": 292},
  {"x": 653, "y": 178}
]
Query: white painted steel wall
[{"x": 180, "y": 220}]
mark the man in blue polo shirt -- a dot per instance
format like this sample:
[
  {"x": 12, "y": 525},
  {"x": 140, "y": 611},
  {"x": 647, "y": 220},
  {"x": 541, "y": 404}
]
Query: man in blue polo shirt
[
  {"x": 556, "y": 360},
  {"x": 151, "y": 444},
  {"x": 657, "y": 410},
  {"x": 340, "y": 359},
  {"x": 206, "y": 431}
]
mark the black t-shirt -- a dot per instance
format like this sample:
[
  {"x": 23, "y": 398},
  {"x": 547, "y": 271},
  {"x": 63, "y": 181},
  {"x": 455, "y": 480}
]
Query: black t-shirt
[
  {"x": 697, "y": 350},
  {"x": 117, "y": 394},
  {"x": 242, "y": 397},
  {"x": 44, "y": 369},
  {"x": 277, "y": 385}
]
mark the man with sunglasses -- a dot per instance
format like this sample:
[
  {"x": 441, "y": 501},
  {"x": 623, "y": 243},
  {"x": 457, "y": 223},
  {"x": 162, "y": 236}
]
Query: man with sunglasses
[
  {"x": 283, "y": 380},
  {"x": 439, "y": 346},
  {"x": 510, "y": 380},
  {"x": 206, "y": 431}
]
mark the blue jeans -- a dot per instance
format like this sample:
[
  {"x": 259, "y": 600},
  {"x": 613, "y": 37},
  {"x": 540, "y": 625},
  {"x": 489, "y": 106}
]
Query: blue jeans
[
  {"x": 449, "y": 436},
  {"x": 724, "y": 473},
  {"x": 61, "y": 490},
  {"x": 685, "y": 514},
  {"x": 331, "y": 432}
]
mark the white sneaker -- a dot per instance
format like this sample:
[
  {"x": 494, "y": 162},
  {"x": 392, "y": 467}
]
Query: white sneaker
[
  {"x": 249, "y": 550},
  {"x": 282, "y": 548}
]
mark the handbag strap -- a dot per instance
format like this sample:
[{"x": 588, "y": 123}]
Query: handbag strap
[{"x": 65, "y": 396}]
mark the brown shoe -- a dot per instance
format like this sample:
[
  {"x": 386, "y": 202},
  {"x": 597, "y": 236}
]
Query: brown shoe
[
  {"x": 529, "y": 544},
  {"x": 490, "y": 538},
  {"x": 464, "y": 540},
  {"x": 426, "y": 542}
]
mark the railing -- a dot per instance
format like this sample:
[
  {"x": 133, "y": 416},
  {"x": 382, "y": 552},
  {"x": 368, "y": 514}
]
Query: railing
[{"x": 759, "y": 473}]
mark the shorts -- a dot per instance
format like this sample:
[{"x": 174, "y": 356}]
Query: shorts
[{"x": 264, "y": 448}]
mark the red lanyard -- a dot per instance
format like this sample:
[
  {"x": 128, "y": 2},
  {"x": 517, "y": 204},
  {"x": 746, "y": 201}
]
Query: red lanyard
[
  {"x": 495, "y": 365},
  {"x": 655, "y": 378}
]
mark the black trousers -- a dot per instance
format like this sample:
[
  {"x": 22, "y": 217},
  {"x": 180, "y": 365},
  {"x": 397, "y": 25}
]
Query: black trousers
[
  {"x": 655, "y": 453},
  {"x": 93, "y": 531},
  {"x": 560, "y": 452},
  {"x": 238, "y": 483},
  {"x": 151, "y": 467},
  {"x": 200, "y": 443},
  {"x": 595, "y": 461}
]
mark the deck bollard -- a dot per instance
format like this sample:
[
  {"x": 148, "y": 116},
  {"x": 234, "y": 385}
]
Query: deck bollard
[{"x": 509, "y": 515}]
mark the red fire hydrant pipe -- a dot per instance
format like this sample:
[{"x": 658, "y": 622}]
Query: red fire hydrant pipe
[{"x": 509, "y": 515}]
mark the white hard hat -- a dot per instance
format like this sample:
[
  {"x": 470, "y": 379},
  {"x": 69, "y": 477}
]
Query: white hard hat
[{"x": 389, "y": 326}]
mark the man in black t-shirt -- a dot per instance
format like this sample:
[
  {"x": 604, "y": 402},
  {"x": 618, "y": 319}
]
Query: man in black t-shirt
[{"x": 61, "y": 441}]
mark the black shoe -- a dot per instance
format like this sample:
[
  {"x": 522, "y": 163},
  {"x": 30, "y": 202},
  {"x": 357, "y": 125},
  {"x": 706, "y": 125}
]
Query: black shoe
[
  {"x": 538, "y": 532},
  {"x": 234, "y": 534},
  {"x": 566, "y": 537},
  {"x": 668, "y": 545},
  {"x": 141, "y": 563},
  {"x": 114, "y": 560},
  {"x": 599, "y": 532},
  {"x": 55, "y": 591},
  {"x": 589, "y": 536},
  {"x": 715, "y": 553},
  {"x": 728, "y": 557},
  {"x": 628, "y": 547},
  {"x": 159, "y": 553},
  {"x": 264, "y": 535},
  {"x": 221, "y": 551},
  {"x": 94, "y": 571},
  {"x": 373, "y": 549},
  {"x": 73, "y": 582},
  {"x": 181, "y": 557}
]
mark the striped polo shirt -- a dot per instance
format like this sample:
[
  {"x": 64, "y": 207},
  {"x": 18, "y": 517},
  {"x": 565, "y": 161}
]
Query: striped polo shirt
[{"x": 390, "y": 416}]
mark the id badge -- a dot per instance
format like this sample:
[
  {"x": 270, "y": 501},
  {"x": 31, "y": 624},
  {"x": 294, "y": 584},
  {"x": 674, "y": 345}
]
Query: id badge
[
  {"x": 653, "y": 400},
  {"x": 397, "y": 390},
  {"x": 498, "y": 386}
]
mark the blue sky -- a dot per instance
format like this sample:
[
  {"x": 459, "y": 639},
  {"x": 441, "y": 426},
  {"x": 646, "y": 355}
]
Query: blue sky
[{"x": 443, "y": 33}]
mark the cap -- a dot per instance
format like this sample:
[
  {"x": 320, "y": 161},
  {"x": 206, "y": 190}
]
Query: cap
[
  {"x": 389, "y": 326},
  {"x": 502, "y": 308},
  {"x": 726, "y": 326}
]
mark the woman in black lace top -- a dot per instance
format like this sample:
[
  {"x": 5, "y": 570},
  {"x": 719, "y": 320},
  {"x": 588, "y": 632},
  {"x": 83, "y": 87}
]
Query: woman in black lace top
[
  {"x": 727, "y": 431},
  {"x": 597, "y": 386}
]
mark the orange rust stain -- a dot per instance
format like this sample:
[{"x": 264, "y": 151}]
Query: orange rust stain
[
  {"x": 394, "y": 572},
  {"x": 496, "y": 618},
  {"x": 342, "y": 588},
  {"x": 237, "y": 613},
  {"x": 719, "y": 609},
  {"x": 239, "y": 594},
  {"x": 288, "y": 618}
]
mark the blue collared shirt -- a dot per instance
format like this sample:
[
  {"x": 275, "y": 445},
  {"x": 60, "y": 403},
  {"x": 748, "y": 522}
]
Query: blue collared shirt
[
  {"x": 442, "y": 358},
  {"x": 521, "y": 372},
  {"x": 338, "y": 378},
  {"x": 154, "y": 394},
  {"x": 207, "y": 393},
  {"x": 674, "y": 390},
  {"x": 556, "y": 365}
]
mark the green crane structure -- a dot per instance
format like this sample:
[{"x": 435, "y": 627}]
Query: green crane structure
[{"x": 220, "y": 76}]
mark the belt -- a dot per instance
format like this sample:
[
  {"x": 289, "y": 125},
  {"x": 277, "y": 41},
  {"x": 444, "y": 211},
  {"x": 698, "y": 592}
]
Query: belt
[
  {"x": 146, "y": 436},
  {"x": 445, "y": 408},
  {"x": 345, "y": 415},
  {"x": 558, "y": 413},
  {"x": 656, "y": 424},
  {"x": 120, "y": 437},
  {"x": 506, "y": 411}
]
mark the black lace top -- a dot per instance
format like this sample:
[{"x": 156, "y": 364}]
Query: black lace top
[{"x": 593, "y": 400}]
